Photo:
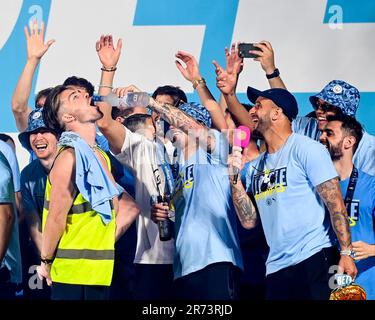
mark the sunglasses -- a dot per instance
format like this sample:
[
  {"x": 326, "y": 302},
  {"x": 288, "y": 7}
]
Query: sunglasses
[{"x": 324, "y": 106}]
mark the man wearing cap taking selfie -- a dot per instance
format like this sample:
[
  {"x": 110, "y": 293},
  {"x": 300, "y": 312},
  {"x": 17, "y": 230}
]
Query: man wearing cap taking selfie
[
  {"x": 337, "y": 96},
  {"x": 289, "y": 183}
]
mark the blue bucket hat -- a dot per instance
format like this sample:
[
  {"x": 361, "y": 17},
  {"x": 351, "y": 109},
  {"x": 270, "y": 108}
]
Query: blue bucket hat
[
  {"x": 198, "y": 112},
  {"x": 281, "y": 97},
  {"x": 35, "y": 123},
  {"x": 341, "y": 95}
]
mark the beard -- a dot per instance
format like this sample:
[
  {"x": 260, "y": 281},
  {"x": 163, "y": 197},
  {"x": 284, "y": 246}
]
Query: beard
[
  {"x": 335, "y": 151},
  {"x": 257, "y": 135}
]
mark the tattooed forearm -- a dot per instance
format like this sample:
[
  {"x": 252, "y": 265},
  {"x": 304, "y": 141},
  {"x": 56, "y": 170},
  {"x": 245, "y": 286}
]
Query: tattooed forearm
[
  {"x": 176, "y": 117},
  {"x": 330, "y": 193},
  {"x": 184, "y": 122},
  {"x": 246, "y": 212}
]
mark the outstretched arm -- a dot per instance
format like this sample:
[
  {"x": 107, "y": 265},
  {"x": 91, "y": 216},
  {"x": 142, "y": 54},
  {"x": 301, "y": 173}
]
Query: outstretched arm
[
  {"x": 227, "y": 80},
  {"x": 330, "y": 193},
  {"x": 192, "y": 74},
  {"x": 36, "y": 48},
  {"x": 109, "y": 57},
  {"x": 266, "y": 58},
  {"x": 184, "y": 122}
]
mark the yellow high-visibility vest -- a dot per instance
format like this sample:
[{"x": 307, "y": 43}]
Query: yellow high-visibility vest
[{"x": 85, "y": 253}]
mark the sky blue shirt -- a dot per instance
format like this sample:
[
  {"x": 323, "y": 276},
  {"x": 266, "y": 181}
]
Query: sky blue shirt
[
  {"x": 362, "y": 217},
  {"x": 206, "y": 230},
  {"x": 12, "y": 259},
  {"x": 10, "y": 155},
  {"x": 292, "y": 213},
  {"x": 364, "y": 156}
]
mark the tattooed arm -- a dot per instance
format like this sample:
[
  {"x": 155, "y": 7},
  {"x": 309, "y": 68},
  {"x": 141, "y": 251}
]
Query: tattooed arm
[
  {"x": 330, "y": 193},
  {"x": 245, "y": 210},
  {"x": 184, "y": 122}
]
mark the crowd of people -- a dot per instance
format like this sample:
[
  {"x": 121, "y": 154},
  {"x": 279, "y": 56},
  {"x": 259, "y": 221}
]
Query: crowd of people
[{"x": 84, "y": 219}]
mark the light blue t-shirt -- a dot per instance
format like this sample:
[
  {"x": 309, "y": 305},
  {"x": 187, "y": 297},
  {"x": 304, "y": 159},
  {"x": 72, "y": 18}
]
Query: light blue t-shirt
[
  {"x": 33, "y": 185},
  {"x": 10, "y": 155},
  {"x": 307, "y": 127},
  {"x": 364, "y": 156},
  {"x": 292, "y": 213},
  {"x": 362, "y": 227},
  {"x": 206, "y": 230},
  {"x": 12, "y": 259}
]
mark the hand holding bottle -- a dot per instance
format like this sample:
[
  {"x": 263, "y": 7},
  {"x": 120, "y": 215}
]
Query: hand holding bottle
[{"x": 128, "y": 100}]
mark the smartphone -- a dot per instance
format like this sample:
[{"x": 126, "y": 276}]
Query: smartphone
[{"x": 244, "y": 48}]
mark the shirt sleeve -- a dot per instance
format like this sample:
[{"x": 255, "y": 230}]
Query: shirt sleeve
[
  {"x": 6, "y": 185},
  {"x": 13, "y": 163},
  {"x": 134, "y": 149}
]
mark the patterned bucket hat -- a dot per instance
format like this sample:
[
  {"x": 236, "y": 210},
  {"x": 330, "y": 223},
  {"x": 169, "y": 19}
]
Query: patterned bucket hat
[
  {"x": 35, "y": 123},
  {"x": 198, "y": 112},
  {"x": 341, "y": 95}
]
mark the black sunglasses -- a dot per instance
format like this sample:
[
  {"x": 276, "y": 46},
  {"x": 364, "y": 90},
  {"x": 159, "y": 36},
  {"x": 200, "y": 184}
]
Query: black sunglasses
[{"x": 324, "y": 106}]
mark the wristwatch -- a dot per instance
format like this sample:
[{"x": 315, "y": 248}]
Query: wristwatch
[
  {"x": 274, "y": 74},
  {"x": 349, "y": 252}
]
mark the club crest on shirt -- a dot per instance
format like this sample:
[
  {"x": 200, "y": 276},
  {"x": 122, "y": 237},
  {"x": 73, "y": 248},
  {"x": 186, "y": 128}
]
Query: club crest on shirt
[{"x": 269, "y": 182}]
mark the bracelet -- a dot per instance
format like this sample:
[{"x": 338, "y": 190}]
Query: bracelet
[
  {"x": 105, "y": 86},
  {"x": 197, "y": 82},
  {"x": 47, "y": 261},
  {"x": 110, "y": 69}
]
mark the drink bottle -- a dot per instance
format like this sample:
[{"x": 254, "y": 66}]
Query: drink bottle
[{"x": 129, "y": 100}]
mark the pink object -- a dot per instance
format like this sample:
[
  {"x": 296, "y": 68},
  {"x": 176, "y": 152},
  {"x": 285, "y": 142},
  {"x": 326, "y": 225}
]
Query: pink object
[{"x": 241, "y": 137}]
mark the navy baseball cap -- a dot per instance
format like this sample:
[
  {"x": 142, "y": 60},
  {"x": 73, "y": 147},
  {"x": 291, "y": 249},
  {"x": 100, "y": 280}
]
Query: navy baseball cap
[
  {"x": 281, "y": 97},
  {"x": 35, "y": 123}
]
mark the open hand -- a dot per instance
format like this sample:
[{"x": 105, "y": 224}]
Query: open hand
[
  {"x": 36, "y": 47},
  {"x": 266, "y": 57},
  {"x": 191, "y": 71},
  {"x": 108, "y": 54}
]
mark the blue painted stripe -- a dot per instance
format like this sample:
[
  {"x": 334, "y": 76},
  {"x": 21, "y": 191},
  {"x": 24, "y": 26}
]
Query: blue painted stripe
[
  {"x": 13, "y": 58},
  {"x": 354, "y": 11},
  {"x": 218, "y": 17}
]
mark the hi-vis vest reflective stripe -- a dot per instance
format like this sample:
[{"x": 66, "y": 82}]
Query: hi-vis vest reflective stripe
[{"x": 85, "y": 253}]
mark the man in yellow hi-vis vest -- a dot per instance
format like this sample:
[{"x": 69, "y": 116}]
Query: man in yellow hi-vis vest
[{"x": 83, "y": 215}]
